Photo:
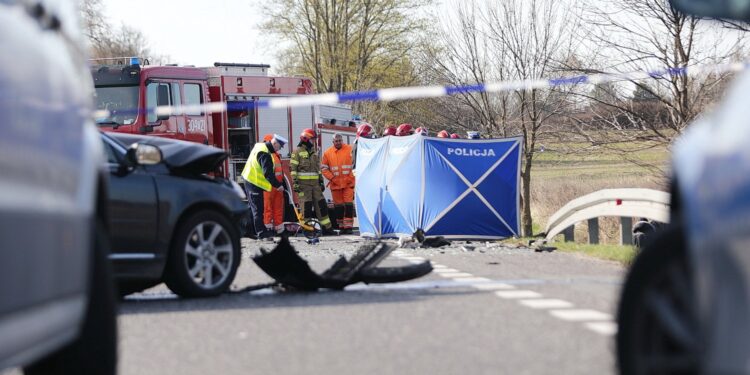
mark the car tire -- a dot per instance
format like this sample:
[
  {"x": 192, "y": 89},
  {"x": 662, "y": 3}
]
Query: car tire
[
  {"x": 194, "y": 256},
  {"x": 658, "y": 330},
  {"x": 95, "y": 349}
]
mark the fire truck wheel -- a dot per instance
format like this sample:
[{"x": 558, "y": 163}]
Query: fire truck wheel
[{"x": 204, "y": 255}]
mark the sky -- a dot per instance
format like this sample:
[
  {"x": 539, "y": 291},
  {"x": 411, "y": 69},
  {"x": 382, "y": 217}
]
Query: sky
[{"x": 197, "y": 32}]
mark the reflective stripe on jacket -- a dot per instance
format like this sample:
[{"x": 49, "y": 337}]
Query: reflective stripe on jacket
[
  {"x": 278, "y": 169},
  {"x": 253, "y": 171},
  {"x": 337, "y": 167},
  {"x": 304, "y": 165}
]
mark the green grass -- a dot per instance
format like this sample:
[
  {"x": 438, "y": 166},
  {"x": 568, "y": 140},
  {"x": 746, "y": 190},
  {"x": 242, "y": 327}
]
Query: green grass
[
  {"x": 568, "y": 170},
  {"x": 618, "y": 253}
]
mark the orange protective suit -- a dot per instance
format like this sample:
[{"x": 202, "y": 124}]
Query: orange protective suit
[
  {"x": 336, "y": 166},
  {"x": 273, "y": 201}
]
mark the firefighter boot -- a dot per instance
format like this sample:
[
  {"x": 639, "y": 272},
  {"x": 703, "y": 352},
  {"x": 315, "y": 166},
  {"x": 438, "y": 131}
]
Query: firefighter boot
[{"x": 325, "y": 221}]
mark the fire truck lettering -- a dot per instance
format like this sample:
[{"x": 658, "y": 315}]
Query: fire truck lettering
[{"x": 197, "y": 126}]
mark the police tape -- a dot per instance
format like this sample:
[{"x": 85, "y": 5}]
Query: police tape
[{"x": 424, "y": 92}]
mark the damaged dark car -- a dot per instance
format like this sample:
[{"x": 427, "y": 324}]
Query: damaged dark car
[{"x": 171, "y": 221}]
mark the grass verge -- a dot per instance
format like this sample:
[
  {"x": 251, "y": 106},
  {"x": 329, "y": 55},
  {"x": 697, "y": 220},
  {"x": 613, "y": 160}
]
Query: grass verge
[{"x": 618, "y": 253}]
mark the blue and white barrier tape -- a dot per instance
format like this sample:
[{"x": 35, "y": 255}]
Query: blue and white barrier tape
[{"x": 421, "y": 92}]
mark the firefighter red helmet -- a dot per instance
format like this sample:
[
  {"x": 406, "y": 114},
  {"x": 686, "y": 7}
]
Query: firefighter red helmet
[
  {"x": 455, "y": 136},
  {"x": 422, "y": 131},
  {"x": 443, "y": 134},
  {"x": 308, "y": 134},
  {"x": 267, "y": 138},
  {"x": 390, "y": 130},
  {"x": 364, "y": 130},
  {"x": 404, "y": 129}
]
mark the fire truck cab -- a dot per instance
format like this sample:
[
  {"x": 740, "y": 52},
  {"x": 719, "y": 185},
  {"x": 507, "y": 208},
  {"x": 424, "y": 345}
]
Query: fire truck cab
[
  {"x": 130, "y": 94},
  {"x": 175, "y": 102}
]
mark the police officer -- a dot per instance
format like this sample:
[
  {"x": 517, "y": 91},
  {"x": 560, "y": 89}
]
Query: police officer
[
  {"x": 260, "y": 176},
  {"x": 308, "y": 180}
]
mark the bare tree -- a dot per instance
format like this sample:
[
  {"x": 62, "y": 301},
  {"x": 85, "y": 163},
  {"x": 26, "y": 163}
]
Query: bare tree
[
  {"x": 93, "y": 21},
  {"x": 126, "y": 41},
  {"x": 105, "y": 40},
  {"x": 345, "y": 44},
  {"x": 468, "y": 55},
  {"x": 644, "y": 35},
  {"x": 510, "y": 40}
]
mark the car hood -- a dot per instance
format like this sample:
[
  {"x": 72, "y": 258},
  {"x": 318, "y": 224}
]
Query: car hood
[{"x": 179, "y": 155}]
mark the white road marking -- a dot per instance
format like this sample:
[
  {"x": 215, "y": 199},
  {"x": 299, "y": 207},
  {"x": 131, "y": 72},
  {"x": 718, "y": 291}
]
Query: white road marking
[
  {"x": 445, "y": 270},
  {"x": 473, "y": 279},
  {"x": 517, "y": 294},
  {"x": 147, "y": 296},
  {"x": 492, "y": 286},
  {"x": 456, "y": 274},
  {"x": 580, "y": 315},
  {"x": 604, "y": 328},
  {"x": 412, "y": 258},
  {"x": 547, "y": 303}
]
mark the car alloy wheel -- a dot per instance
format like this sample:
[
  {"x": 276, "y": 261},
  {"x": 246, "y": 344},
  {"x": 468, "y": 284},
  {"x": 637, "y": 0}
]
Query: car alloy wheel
[
  {"x": 208, "y": 254},
  {"x": 204, "y": 255}
]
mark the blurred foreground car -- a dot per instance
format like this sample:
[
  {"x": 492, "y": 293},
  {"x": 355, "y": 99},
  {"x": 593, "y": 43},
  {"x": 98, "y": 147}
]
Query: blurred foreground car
[
  {"x": 685, "y": 306},
  {"x": 57, "y": 309},
  {"x": 171, "y": 221}
]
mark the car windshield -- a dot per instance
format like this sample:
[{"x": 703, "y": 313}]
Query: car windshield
[{"x": 120, "y": 101}]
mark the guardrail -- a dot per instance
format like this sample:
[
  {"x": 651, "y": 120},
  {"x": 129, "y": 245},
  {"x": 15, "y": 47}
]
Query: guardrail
[{"x": 623, "y": 203}]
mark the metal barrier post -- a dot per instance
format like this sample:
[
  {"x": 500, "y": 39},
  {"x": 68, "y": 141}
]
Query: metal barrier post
[
  {"x": 593, "y": 230},
  {"x": 626, "y": 231},
  {"x": 569, "y": 234}
]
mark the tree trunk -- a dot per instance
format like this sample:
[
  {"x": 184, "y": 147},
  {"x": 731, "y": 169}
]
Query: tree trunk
[{"x": 526, "y": 230}]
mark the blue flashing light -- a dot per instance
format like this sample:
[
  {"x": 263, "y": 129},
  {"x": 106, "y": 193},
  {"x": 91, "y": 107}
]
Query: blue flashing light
[{"x": 135, "y": 61}]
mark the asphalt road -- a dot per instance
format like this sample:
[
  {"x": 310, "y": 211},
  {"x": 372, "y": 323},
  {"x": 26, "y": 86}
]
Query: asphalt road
[{"x": 486, "y": 310}]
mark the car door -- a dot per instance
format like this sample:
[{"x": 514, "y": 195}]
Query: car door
[
  {"x": 197, "y": 119},
  {"x": 133, "y": 208},
  {"x": 175, "y": 123}
]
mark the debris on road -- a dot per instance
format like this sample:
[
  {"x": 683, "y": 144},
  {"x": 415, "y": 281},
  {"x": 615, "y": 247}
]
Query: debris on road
[
  {"x": 438, "y": 241},
  {"x": 289, "y": 269},
  {"x": 540, "y": 246}
]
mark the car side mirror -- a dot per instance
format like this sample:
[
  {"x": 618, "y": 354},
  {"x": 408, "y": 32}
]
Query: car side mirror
[
  {"x": 162, "y": 100},
  {"x": 738, "y": 10},
  {"x": 143, "y": 154}
]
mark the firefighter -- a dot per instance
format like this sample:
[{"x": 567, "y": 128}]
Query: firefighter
[
  {"x": 404, "y": 129},
  {"x": 308, "y": 180},
  {"x": 260, "y": 177},
  {"x": 365, "y": 131},
  {"x": 443, "y": 134},
  {"x": 390, "y": 130},
  {"x": 273, "y": 201},
  {"x": 337, "y": 168}
]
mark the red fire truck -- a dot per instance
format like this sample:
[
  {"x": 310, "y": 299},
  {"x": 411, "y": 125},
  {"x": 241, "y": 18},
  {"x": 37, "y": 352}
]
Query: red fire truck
[{"x": 130, "y": 92}]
